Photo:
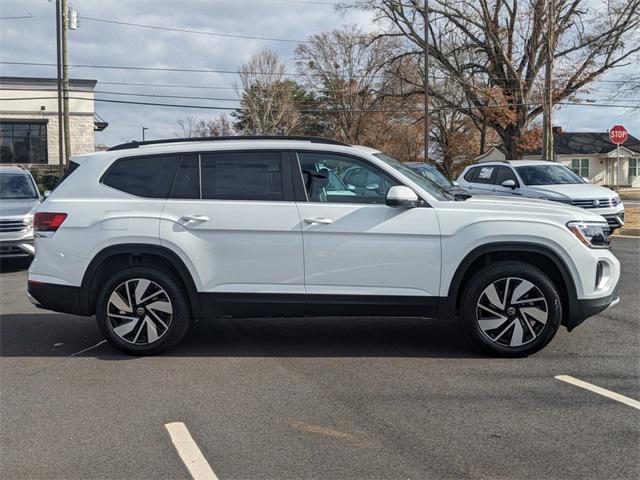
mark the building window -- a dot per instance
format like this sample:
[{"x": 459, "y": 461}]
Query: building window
[
  {"x": 580, "y": 166},
  {"x": 23, "y": 142},
  {"x": 634, "y": 167}
]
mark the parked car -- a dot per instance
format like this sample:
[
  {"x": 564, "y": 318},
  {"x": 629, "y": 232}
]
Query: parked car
[
  {"x": 20, "y": 198},
  {"x": 148, "y": 236},
  {"x": 433, "y": 174},
  {"x": 543, "y": 180}
]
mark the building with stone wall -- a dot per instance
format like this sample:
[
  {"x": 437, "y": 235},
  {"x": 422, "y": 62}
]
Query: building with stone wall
[{"x": 29, "y": 119}]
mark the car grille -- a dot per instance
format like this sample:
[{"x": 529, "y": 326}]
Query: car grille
[
  {"x": 596, "y": 203},
  {"x": 12, "y": 225}
]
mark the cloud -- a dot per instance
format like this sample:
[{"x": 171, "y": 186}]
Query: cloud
[{"x": 108, "y": 44}]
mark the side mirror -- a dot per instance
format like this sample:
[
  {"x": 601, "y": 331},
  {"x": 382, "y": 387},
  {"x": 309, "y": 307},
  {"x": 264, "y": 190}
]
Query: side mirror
[
  {"x": 455, "y": 183},
  {"x": 586, "y": 180},
  {"x": 351, "y": 187},
  {"x": 46, "y": 193},
  {"x": 401, "y": 196},
  {"x": 509, "y": 184}
]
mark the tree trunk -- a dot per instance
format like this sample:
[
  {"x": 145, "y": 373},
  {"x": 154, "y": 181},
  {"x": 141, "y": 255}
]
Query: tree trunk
[{"x": 510, "y": 140}]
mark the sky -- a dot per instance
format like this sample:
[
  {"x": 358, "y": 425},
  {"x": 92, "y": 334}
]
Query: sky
[{"x": 98, "y": 43}]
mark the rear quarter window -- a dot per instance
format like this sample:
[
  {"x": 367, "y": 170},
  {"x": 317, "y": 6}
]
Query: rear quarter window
[{"x": 149, "y": 176}]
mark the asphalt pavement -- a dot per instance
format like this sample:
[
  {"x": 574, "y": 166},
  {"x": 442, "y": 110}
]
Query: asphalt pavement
[{"x": 318, "y": 398}]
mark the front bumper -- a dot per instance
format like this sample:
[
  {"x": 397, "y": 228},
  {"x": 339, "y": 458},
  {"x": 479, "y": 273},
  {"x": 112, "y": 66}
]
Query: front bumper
[
  {"x": 615, "y": 220},
  {"x": 586, "y": 308},
  {"x": 17, "y": 248}
]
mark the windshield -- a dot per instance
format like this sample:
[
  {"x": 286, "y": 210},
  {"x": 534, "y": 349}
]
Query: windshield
[
  {"x": 547, "y": 175},
  {"x": 435, "y": 176},
  {"x": 16, "y": 186},
  {"x": 429, "y": 185}
]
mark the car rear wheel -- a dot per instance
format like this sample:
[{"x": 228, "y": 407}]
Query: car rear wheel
[
  {"x": 511, "y": 309},
  {"x": 142, "y": 311}
]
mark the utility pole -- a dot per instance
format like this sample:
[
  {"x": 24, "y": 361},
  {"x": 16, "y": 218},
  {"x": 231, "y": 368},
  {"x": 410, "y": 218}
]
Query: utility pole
[
  {"x": 65, "y": 82},
  {"x": 548, "y": 152},
  {"x": 143, "y": 129},
  {"x": 59, "y": 78},
  {"x": 426, "y": 81}
]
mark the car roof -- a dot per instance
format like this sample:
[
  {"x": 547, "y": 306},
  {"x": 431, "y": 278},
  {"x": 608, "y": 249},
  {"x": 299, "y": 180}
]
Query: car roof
[
  {"x": 13, "y": 169},
  {"x": 516, "y": 163}
]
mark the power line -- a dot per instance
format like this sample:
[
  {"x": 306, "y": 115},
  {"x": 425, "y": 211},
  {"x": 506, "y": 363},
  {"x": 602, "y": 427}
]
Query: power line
[
  {"x": 406, "y": 110},
  {"x": 28, "y": 15},
  {"x": 187, "y": 30}
]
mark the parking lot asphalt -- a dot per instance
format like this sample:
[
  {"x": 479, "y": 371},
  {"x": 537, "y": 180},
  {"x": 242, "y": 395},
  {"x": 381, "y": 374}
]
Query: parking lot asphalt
[{"x": 318, "y": 398}]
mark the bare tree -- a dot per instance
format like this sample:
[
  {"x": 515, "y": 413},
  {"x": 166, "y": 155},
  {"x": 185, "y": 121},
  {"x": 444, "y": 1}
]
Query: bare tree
[
  {"x": 506, "y": 46},
  {"x": 267, "y": 97},
  {"x": 192, "y": 127},
  {"x": 345, "y": 69}
]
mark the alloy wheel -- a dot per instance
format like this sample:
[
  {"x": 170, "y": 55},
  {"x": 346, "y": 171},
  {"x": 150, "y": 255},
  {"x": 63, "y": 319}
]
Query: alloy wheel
[
  {"x": 139, "y": 311},
  {"x": 511, "y": 311}
]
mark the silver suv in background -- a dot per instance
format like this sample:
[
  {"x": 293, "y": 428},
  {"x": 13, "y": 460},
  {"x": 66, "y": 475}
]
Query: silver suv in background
[
  {"x": 19, "y": 198},
  {"x": 543, "y": 180}
]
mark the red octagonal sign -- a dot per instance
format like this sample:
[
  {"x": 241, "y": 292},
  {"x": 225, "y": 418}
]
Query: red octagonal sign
[{"x": 618, "y": 134}]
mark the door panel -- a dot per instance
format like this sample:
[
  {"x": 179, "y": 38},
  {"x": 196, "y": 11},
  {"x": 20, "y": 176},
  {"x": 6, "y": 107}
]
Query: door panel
[
  {"x": 232, "y": 217},
  {"x": 358, "y": 246},
  {"x": 371, "y": 250}
]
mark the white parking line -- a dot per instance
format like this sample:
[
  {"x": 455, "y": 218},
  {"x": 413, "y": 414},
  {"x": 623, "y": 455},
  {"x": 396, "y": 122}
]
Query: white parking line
[
  {"x": 599, "y": 390},
  {"x": 189, "y": 452}
]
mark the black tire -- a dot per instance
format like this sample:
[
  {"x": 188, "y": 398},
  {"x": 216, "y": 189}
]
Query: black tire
[
  {"x": 177, "y": 322},
  {"x": 523, "y": 332}
]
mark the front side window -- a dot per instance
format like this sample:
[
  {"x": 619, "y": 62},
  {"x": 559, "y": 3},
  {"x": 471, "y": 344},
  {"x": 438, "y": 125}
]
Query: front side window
[
  {"x": 339, "y": 179},
  {"x": 253, "y": 175},
  {"x": 23, "y": 142},
  {"x": 634, "y": 167},
  {"x": 547, "y": 175},
  {"x": 580, "y": 166},
  {"x": 484, "y": 175},
  {"x": 503, "y": 174},
  {"x": 149, "y": 176},
  {"x": 16, "y": 186}
]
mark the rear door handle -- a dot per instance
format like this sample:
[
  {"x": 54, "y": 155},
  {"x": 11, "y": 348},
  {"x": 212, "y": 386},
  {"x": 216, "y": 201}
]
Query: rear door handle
[
  {"x": 192, "y": 219},
  {"x": 316, "y": 221}
]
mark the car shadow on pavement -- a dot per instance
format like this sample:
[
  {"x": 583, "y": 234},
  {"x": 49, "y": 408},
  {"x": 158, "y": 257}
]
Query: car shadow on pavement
[{"x": 58, "y": 335}]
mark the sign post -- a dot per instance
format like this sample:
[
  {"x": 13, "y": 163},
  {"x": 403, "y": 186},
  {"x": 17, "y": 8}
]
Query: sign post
[{"x": 618, "y": 135}]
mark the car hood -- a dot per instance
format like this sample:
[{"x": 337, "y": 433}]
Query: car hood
[
  {"x": 575, "y": 191},
  {"x": 18, "y": 208},
  {"x": 522, "y": 207}
]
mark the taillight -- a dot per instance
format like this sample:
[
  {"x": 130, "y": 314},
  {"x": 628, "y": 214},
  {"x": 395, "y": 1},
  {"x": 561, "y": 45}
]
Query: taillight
[{"x": 48, "y": 222}]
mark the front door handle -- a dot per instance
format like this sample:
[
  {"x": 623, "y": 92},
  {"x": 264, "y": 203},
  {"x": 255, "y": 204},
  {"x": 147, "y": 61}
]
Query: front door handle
[
  {"x": 316, "y": 221},
  {"x": 192, "y": 219}
]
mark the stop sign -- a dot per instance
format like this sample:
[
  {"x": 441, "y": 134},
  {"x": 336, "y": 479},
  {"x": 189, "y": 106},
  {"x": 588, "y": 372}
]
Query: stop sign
[{"x": 618, "y": 134}]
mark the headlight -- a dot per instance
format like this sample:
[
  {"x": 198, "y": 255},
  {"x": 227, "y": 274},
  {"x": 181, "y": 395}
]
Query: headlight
[{"x": 592, "y": 234}]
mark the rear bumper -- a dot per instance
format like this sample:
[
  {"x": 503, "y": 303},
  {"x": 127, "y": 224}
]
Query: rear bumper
[
  {"x": 59, "y": 298},
  {"x": 586, "y": 308}
]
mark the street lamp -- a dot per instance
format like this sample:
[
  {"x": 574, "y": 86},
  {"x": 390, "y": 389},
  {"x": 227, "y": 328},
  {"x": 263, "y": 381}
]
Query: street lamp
[{"x": 143, "y": 129}]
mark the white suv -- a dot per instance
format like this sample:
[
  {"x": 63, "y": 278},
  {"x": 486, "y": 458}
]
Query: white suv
[
  {"x": 543, "y": 180},
  {"x": 148, "y": 236}
]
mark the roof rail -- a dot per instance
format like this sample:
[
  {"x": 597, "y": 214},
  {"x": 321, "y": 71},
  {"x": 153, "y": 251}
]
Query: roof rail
[{"x": 135, "y": 144}]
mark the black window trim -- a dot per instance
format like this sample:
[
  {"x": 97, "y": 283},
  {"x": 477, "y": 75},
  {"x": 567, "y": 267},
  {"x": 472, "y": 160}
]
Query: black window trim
[
  {"x": 285, "y": 171},
  {"x": 301, "y": 191}
]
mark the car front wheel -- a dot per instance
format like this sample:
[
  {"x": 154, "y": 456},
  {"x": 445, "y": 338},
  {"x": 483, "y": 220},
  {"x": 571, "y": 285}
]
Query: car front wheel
[
  {"x": 511, "y": 309},
  {"x": 142, "y": 311}
]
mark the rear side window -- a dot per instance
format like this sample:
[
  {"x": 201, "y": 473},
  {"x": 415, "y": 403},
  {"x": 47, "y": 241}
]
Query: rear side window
[
  {"x": 470, "y": 174},
  {"x": 187, "y": 182},
  {"x": 242, "y": 176},
  {"x": 149, "y": 176}
]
